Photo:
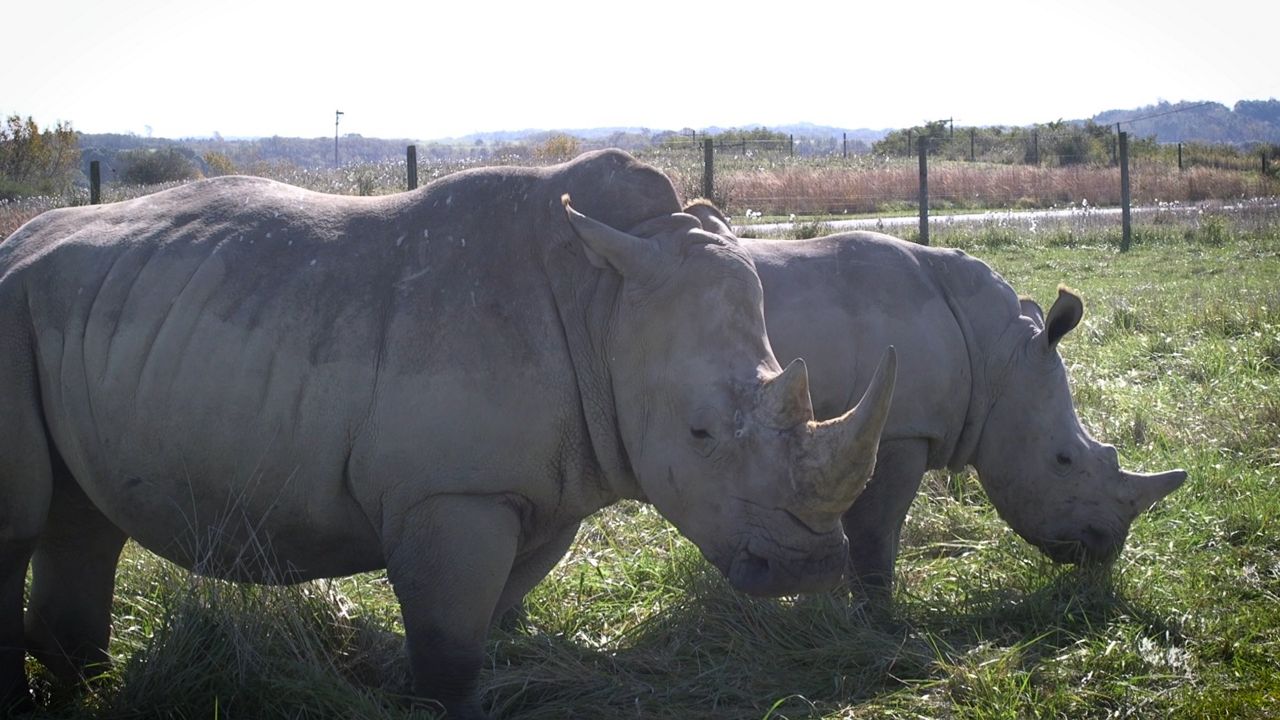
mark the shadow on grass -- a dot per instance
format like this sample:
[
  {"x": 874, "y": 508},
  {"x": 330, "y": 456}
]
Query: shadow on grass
[
  {"x": 226, "y": 650},
  {"x": 718, "y": 654}
]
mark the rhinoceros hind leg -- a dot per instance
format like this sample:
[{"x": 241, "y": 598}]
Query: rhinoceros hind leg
[
  {"x": 448, "y": 559},
  {"x": 68, "y": 619},
  {"x": 14, "y": 695},
  {"x": 874, "y": 523},
  {"x": 25, "y": 487}
]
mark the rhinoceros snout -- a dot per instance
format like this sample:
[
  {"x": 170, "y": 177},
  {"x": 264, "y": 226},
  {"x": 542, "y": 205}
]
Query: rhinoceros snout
[
  {"x": 772, "y": 577},
  {"x": 1092, "y": 546}
]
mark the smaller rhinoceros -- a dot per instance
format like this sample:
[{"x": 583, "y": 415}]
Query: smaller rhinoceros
[{"x": 980, "y": 384}]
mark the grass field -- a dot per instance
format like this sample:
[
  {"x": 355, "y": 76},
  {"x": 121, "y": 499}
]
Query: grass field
[{"x": 1177, "y": 363}]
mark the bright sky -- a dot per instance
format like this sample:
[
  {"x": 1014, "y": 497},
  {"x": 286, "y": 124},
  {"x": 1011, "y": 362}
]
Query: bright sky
[{"x": 430, "y": 69}]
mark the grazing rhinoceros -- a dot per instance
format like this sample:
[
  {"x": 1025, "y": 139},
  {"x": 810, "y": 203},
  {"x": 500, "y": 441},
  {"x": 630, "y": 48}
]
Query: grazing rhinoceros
[
  {"x": 981, "y": 384},
  {"x": 269, "y": 384}
]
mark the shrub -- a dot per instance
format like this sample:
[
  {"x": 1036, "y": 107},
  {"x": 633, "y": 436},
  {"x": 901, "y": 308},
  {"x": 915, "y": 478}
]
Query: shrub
[
  {"x": 217, "y": 163},
  {"x": 152, "y": 166},
  {"x": 558, "y": 147},
  {"x": 35, "y": 161}
]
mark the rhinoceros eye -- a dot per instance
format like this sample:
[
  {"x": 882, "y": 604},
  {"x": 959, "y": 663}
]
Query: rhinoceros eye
[
  {"x": 699, "y": 434},
  {"x": 1063, "y": 459}
]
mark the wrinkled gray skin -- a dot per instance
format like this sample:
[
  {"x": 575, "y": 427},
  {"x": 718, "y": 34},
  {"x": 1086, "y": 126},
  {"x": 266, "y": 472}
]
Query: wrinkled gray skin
[
  {"x": 981, "y": 384},
  {"x": 268, "y": 384}
]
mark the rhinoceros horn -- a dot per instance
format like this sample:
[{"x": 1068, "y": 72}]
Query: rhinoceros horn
[
  {"x": 1143, "y": 490},
  {"x": 838, "y": 455},
  {"x": 784, "y": 399}
]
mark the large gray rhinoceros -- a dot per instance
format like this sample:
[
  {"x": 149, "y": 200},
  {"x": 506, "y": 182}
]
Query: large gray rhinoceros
[
  {"x": 269, "y": 384},
  {"x": 981, "y": 384}
]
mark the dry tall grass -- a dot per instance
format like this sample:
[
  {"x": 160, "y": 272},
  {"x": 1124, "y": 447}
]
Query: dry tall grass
[
  {"x": 808, "y": 190},
  {"x": 808, "y": 187}
]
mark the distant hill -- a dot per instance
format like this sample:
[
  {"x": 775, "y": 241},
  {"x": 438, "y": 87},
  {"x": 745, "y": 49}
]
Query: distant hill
[
  {"x": 1250, "y": 121},
  {"x": 638, "y": 134}
]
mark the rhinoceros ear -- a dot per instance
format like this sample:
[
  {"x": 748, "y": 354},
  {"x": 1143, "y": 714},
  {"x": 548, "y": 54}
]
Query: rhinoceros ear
[
  {"x": 1065, "y": 314},
  {"x": 610, "y": 248},
  {"x": 709, "y": 215},
  {"x": 1031, "y": 309}
]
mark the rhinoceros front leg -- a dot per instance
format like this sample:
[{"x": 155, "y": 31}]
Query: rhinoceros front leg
[
  {"x": 874, "y": 523},
  {"x": 448, "y": 559},
  {"x": 528, "y": 572}
]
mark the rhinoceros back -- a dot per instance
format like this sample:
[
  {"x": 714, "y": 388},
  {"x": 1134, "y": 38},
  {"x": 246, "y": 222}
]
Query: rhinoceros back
[{"x": 199, "y": 350}]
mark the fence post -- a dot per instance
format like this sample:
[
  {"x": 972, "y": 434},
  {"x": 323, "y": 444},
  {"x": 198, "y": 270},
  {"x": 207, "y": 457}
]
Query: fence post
[
  {"x": 1125, "y": 225},
  {"x": 411, "y": 161},
  {"x": 924, "y": 189},
  {"x": 1035, "y": 147},
  {"x": 1179, "y": 157},
  {"x": 973, "y": 132},
  {"x": 844, "y": 143},
  {"x": 908, "y": 143},
  {"x": 95, "y": 183},
  {"x": 791, "y": 145},
  {"x": 708, "y": 168}
]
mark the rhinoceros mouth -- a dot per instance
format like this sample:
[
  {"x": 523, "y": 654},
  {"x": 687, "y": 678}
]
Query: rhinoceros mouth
[
  {"x": 764, "y": 568},
  {"x": 1090, "y": 547}
]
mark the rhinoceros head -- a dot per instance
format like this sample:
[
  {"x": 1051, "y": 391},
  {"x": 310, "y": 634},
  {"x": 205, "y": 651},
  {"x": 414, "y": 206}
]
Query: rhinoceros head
[
  {"x": 721, "y": 439},
  {"x": 1058, "y": 487}
]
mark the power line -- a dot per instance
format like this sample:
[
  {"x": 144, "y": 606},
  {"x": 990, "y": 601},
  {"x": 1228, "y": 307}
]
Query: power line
[{"x": 1166, "y": 112}]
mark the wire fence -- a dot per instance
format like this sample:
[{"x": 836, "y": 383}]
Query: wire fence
[{"x": 1009, "y": 169}]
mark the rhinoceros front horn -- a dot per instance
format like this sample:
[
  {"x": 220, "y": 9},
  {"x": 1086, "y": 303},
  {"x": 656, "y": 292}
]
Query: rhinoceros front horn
[
  {"x": 1144, "y": 489},
  {"x": 838, "y": 455}
]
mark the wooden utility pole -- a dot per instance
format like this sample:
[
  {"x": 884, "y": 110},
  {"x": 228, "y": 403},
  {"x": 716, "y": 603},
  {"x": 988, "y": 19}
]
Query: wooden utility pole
[{"x": 336, "y": 115}]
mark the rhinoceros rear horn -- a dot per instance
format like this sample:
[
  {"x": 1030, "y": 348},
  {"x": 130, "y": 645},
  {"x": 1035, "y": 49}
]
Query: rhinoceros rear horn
[
  {"x": 839, "y": 454},
  {"x": 1145, "y": 489},
  {"x": 785, "y": 399},
  {"x": 610, "y": 248}
]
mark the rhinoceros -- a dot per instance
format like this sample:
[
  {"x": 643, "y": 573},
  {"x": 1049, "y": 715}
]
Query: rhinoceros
[
  {"x": 268, "y": 384},
  {"x": 981, "y": 384}
]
